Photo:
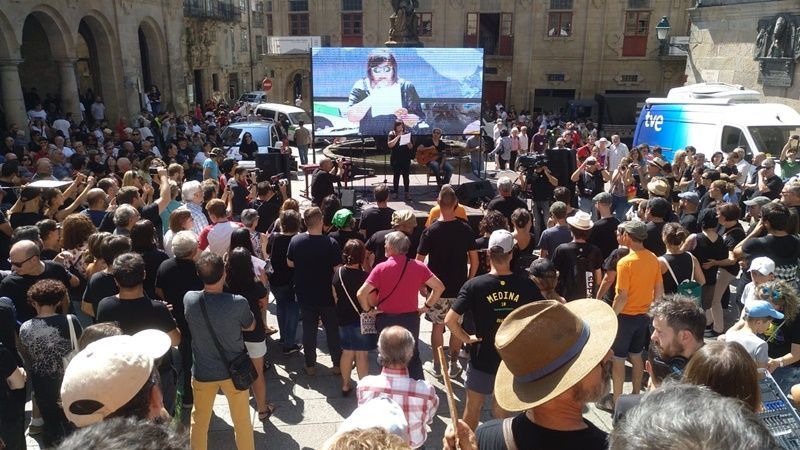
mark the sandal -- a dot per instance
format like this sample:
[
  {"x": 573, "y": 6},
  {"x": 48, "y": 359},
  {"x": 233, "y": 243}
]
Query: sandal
[{"x": 264, "y": 416}]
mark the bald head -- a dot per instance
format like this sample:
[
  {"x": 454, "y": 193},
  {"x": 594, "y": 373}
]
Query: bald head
[
  {"x": 124, "y": 164},
  {"x": 326, "y": 164},
  {"x": 24, "y": 257},
  {"x": 395, "y": 347},
  {"x": 96, "y": 198}
]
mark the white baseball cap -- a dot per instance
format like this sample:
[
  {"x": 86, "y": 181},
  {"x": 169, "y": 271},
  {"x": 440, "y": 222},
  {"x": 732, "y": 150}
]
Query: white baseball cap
[
  {"x": 108, "y": 373},
  {"x": 503, "y": 239},
  {"x": 762, "y": 265}
]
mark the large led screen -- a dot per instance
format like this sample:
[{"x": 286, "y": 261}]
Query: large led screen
[{"x": 363, "y": 91}]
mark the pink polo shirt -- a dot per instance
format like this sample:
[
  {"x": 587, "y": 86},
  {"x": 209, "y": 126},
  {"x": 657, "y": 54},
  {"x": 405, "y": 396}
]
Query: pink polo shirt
[{"x": 405, "y": 297}]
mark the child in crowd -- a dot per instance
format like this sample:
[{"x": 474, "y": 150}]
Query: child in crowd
[
  {"x": 761, "y": 270},
  {"x": 757, "y": 316}
]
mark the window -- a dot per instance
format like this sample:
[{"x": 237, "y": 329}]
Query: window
[
  {"x": 298, "y": 24},
  {"x": 559, "y": 18},
  {"x": 352, "y": 30},
  {"x": 637, "y": 25},
  {"x": 351, "y": 5},
  {"x": 561, "y": 4},
  {"x": 425, "y": 24},
  {"x": 491, "y": 32},
  {"x": 638, "y": 4},
  {"x": 260, "y": 45},
  {"x": 298, "y": 5},
  {"x": 629, "y": 78},
  {"x": 245, "y": 45},
  {"x": 732, "y": 137},
  {"x": 269, "y": 25},
  {"x": 268, "y": 11}
]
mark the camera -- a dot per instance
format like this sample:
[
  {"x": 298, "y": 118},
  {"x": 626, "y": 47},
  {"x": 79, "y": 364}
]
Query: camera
[
  {"x": 153, "y": 170},
  {"x": 532, "y": 162}
]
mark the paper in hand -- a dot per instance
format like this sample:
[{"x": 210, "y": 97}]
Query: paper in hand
[
  {"x": 405, "y": 139},
  {"x": 385, "y": 101}
]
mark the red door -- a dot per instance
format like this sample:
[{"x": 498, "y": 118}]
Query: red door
[{"x": 494, "y": 91}]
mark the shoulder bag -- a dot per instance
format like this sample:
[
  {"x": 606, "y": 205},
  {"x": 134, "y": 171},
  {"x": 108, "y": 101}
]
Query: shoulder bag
[
  {"x": 396, "y": 284},
  {"x": 367, "y": 320},
  {"x": 241, "y": 369},
  {"x": 689, "y": 288}
]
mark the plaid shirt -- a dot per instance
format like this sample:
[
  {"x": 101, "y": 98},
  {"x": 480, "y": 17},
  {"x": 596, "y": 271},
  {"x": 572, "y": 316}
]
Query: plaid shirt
[{"x": 417, "y": 398}]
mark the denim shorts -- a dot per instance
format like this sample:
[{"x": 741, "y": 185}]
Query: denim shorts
[
  {"x": 479, "y": 381},
  {"x": 352, "y": 339},
  {"x": 631, "y": 335}
]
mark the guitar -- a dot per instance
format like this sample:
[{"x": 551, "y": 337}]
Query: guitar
[{"x": 427, "y": 155}]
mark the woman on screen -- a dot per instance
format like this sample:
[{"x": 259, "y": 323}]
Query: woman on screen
[
  {"x": 382, "y": 97},
  {"x": 401, "y": 157}
]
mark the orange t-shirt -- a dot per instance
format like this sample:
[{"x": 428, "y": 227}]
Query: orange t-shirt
[
  {"x": 434, "y": 214},
  {"x": 638, "y": 273}
]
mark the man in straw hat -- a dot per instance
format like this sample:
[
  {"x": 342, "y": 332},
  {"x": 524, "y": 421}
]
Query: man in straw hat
[
  {"x": 570, "y": 368},
  {"x": 490, "y": 298},
  {"x": 578, "y": 263}
]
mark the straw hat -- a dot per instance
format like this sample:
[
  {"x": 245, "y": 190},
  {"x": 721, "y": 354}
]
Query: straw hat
[
  {"x": 570, "y": 340},
  {"x": 581, "y": 220}
]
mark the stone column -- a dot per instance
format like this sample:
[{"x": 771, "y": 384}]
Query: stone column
[
  {"x": 13, "y": 102},
  {"x": 70, "y": 97}
]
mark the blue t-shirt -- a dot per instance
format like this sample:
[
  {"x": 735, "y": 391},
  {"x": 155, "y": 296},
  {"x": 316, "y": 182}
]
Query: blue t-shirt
[
  {"x": 228, "y": 314},
  {"x": 553, "y": 237},
  {"x": 210, "y": 163}
]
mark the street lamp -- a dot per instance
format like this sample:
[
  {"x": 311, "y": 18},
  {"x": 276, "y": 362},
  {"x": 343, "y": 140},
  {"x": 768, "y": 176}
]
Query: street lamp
[{"x": 662, "y": 33}]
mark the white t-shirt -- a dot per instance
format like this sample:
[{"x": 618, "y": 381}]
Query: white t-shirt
[
  {"x": 41, "y": 114},
  {"x": 62, "y": 125},
  {"x": 752, "y": 343}
]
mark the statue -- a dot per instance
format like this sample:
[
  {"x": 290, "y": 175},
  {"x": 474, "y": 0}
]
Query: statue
[
  {"x": 776, "y": 48},
  {"x": 403, "y": 30}
]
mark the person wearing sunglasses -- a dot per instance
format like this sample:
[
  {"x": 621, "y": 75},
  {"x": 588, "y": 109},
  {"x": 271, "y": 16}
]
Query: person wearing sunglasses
[{"x": 382, "y": 97}]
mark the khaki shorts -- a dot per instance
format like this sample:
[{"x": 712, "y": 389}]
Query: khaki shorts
[{"x": 437, "y": 313}]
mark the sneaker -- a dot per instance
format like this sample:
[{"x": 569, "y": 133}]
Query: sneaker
[
  {"x": 431, "y": 369},
  {"x": 455, "y": 370},
  {"x": 292, "y": 350}
]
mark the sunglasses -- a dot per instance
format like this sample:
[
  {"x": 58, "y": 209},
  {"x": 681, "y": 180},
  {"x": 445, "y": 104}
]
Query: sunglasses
[
  {"x": 19, "y": 264},
  {"x": 381, "y": 69}
]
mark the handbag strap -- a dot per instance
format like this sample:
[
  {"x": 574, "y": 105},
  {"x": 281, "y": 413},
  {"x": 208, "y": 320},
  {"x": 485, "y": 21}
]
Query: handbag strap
[
  {"x": 508, "y": 434},
  {"x": 72, "y": 335},
  {"x": 674, "y": 278},
  {"x": 211, "y": 329},
  {"x": 396, "y": 284},
  {"x": 344, "y": 288}
]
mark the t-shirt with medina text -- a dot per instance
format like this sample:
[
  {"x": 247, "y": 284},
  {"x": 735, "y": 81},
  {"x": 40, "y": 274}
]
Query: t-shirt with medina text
[
  {"x": 491, "y": 298},
  {"x": 576, "y": 263},
  {"x": 446, "y": 244}
]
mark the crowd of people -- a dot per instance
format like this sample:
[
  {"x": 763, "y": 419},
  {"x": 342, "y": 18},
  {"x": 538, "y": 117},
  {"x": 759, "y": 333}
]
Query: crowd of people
[{"x": 135, "y": 287}]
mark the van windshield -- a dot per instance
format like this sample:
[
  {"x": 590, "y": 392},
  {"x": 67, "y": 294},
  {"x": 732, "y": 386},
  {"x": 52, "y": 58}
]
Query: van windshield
[
  {"x": 298, "y": 116},
  {"x": 771, "y": 139}
]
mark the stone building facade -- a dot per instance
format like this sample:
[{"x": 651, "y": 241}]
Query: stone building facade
[
  {"x": 116, "y": 48},
  {"x": 540, "y": 54},
  {"x": 722, "y": 41}
]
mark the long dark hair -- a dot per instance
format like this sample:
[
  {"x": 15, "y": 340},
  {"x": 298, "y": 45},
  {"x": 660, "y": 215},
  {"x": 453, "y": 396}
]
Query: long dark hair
[
  {"x": 143, "y": 236},
  {"x": 240, "y": 237},
  {"x": 239, "y": 269}
]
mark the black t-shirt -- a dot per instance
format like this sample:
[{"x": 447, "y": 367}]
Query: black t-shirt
[
  {"x": 376, "y": 242},
  {"x": 539, "y": 186},
  {"x": 610, "y": 265},
  {"x": 706, "y": 250},
  {"x": 176, "y": 277},
  {"x": 353, "y": 279},
  {"x": 342, "y": 236},
  {"x": 5, "y": 245},
  {"x": 25, "y": 218},
  {"x": 239, "y": 201},
  {"x": 732, "y": 236},
  {"x": 322, "y": 185},
  {"x": 783, "y": 250},
  {"x": 253, "y": 293},
  {"x": 482, "y": 246},
  {"x": 604, "y": 235},
  {"x": 689, "y": 221},
  {"x": 376, "y": 219},
  {"x": 521, "y": 258},
  {"x": 491, "y": 298},
  {"x": 278, "y": 246},
  {"x": 268, "y": 211},
  {"x": 775, "y": 184},
  {"x": 150, "y": 212},
  {"x": 781, "y": 337},
  {"x": 135, "y": 315},
  {"x": 576, "y": 263},
  {"x": 530, "y": 436},
  {"x": 314, "y": 258},
  {"x": 682, "y": 266},
  {"x": 446, "y": 244},
  {"x": 654, "y": 242},
  {"x": 100, "y": 286},
  {"x": 506, "y": 205},
  {"x": 48, "y": 254},
  {"x": 152, "y": 261},
  {"x": 16, "y": 287},
  {"x": 590, "y": 184}
]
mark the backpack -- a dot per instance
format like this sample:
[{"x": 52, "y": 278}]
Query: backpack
[{"x": 689, "y": 288}]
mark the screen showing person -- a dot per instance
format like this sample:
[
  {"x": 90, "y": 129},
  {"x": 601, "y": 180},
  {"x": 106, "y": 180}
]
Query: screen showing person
[{"x": 363, "y": 91}]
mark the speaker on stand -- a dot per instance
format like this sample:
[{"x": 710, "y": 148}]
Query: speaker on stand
[{"x": 274, "y": 166}]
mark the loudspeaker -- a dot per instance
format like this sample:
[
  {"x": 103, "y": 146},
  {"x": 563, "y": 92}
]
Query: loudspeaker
[
  {"x": 561, "y": 164},
  {"x": 474, "y": 193},
  {"x": 272, "y": 164}
]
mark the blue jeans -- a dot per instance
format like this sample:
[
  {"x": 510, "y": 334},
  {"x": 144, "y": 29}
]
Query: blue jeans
[
  {"x": 442, "y": 173},
  {"x": 475, "y": 162},
  {"x": 303, "y": 151},
  {"x": 288, "y": 311},
  {"x": 619, "y": 206},
  {"x": 541, "y": 214},
  {"x": 585, "y": 204}
]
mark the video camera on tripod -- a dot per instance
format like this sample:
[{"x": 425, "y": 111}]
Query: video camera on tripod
[{"x": 530, "y": 165}]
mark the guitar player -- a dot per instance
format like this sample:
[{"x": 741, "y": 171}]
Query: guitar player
[{"x": 431, "y": 153}]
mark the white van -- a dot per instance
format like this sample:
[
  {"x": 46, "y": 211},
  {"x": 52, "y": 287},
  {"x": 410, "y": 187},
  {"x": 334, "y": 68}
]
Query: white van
[
  {"x": 277, "y": 112},
  {"x": 715, "y": 117}
]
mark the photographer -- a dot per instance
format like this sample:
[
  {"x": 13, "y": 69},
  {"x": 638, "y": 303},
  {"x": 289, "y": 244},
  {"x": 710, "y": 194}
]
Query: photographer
[
  {"x": 790, "y": 158},
  {"x": 590, "y": 177},
  {"x": 537, "y": 184},
  {"x": 323, "y": 179},
  {"x": 243, "y": 187}
]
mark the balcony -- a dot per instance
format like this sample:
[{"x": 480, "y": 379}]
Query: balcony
[{"x": 212, "y": 10}]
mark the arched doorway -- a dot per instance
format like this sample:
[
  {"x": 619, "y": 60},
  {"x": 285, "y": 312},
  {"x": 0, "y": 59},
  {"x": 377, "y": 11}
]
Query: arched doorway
[
  {"x": 152, "y": 59},
  {"x": 38, "y": 70},
  {"x": 298, "y": 85},
  {"x": 96, "y": 66}
]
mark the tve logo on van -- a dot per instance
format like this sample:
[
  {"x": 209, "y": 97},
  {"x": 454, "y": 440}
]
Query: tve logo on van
[{"x": 653, "y": 121}]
